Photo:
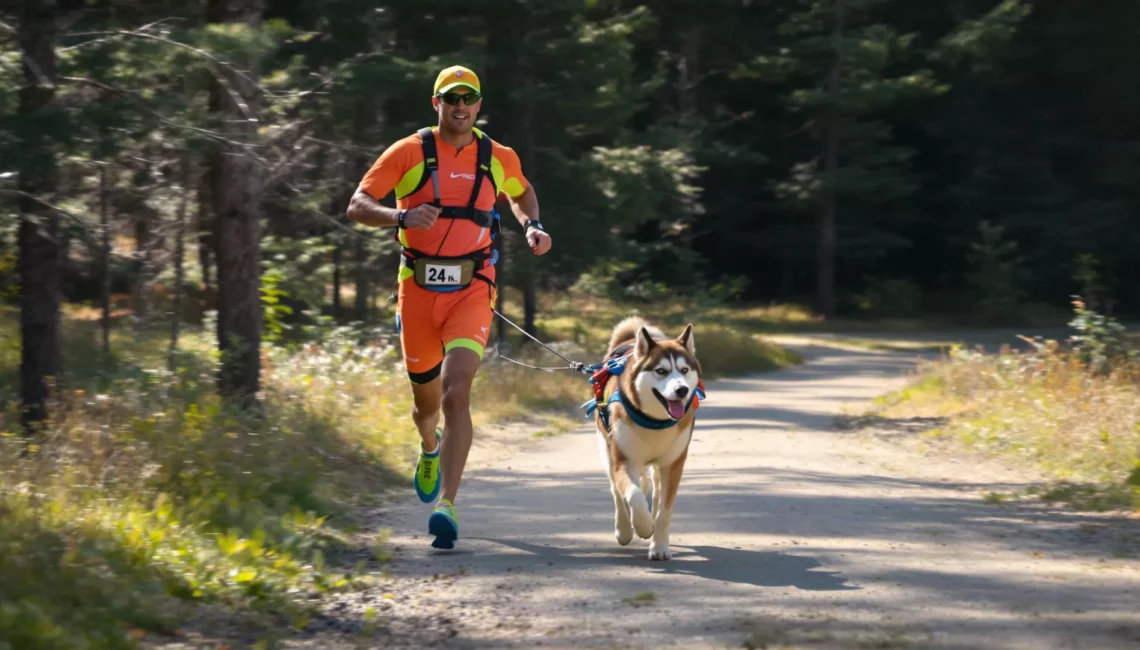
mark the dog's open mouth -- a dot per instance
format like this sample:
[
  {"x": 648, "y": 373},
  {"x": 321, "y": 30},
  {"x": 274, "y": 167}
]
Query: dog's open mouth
[{"x": 675, "y": 407}]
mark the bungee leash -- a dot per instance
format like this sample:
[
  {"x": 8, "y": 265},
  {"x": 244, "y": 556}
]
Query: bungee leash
[{"x": 574, "y": 365}]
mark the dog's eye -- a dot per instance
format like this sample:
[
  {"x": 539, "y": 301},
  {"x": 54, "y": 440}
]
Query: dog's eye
[
  {"x": 684, "y": 371},
  {"x": 662, "y": 372}
]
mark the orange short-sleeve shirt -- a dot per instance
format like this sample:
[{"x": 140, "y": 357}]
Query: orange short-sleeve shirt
[{"x": 400, "y": 167}]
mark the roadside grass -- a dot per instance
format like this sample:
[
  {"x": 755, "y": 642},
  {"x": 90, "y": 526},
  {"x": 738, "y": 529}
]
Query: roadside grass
[
  {"x": 1046, "y": 407},
  {"x": 640, "y": 599},
  {"x": 145, "y": 494},
  {"x": 817, "y": 629}
]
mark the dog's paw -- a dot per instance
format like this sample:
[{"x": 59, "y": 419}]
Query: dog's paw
[
  {"x": 658, "y": 552},
  {"x": 623, "y": 532},
  {"x": 642, "y": 520}
]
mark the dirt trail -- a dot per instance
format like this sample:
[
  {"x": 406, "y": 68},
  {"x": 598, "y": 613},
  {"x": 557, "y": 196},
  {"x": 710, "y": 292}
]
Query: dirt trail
[{"x": 788, "y": 532}]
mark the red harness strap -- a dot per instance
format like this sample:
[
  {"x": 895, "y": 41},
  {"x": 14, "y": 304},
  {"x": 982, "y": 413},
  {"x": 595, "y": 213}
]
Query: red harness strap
[{"x": 599, "y": 380}]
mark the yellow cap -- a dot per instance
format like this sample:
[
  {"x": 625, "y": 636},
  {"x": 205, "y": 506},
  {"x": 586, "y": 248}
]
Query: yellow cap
[{"x": 454, "y": 76}]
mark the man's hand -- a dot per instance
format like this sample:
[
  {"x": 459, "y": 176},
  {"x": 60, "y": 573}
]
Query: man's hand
[
  {"x": 421, "y": 217},
  {"x": 539, "y": 241}
]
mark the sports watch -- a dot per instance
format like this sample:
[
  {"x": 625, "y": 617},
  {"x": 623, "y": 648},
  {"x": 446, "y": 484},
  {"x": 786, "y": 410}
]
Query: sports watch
[
  {"x": 533, "y": 223},
  {"x": 400, "y": 219}
]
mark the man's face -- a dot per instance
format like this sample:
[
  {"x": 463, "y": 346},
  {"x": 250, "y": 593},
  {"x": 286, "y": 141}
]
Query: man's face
[{"x": 454, "y": 112}]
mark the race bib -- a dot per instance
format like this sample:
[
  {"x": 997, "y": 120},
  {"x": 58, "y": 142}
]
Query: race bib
[{"x": 442, "y": 274}]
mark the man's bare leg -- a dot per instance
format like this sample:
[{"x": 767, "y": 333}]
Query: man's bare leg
[
  {"x": 459, "y": 368},
  {"x": 425, "y": 413}
]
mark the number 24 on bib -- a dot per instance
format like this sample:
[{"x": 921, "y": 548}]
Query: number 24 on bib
[{"x": 443, "y": 274}]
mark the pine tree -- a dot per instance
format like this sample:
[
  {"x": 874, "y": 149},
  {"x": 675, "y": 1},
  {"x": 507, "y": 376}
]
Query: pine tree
[
  {"x": 41, "y": 363},
  {"x": 838, "y": 72},
  {"x": 236, "y": 188}
]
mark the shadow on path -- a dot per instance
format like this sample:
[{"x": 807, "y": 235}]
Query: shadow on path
[{"x": 756, "y": 568}]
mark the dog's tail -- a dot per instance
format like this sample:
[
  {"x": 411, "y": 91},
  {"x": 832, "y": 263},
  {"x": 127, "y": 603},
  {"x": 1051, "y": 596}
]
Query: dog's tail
[{"x": 627, "y": 329}]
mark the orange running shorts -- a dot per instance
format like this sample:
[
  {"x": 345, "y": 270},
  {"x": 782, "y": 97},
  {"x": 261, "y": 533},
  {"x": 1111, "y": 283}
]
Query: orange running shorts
[{"x": 432, "y": 323}]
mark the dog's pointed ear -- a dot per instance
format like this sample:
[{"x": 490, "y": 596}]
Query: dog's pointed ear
[
  {"x": 645, "y": 342},
  {"x": 686, "y": 339}
]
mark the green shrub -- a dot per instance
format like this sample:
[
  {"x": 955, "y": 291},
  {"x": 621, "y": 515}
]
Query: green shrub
[{"x": 889, "y": 297}]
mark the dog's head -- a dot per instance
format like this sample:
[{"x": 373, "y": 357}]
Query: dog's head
[{"x": 666, "y": 373}]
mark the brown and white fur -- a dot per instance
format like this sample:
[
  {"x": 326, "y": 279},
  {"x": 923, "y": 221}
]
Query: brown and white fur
[{"x": 660, "y": 369}]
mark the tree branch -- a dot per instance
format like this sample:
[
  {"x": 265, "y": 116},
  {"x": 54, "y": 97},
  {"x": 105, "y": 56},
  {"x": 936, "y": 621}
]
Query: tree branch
[
  {"x": 325, "y": 217},
  {"x": 120, "y": 91},
  {"x": 85, "y": 227}
]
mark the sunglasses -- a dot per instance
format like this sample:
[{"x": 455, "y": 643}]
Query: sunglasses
[{"x": 452, "y": 99}]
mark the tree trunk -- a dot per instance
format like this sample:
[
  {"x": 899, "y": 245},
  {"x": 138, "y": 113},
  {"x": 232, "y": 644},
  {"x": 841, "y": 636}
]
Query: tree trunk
[
  {"x": 338, "y": 261},
  {"x": 525, "y": 146},
  {"x": 205, "y": 228},
  {"x": 530, "y": 305},
  {"x": 105, "y": 231},
  {"x": 236, "y": 191},
  {"x": 336, "y": 213},
  {"x": 503, "y": 45},
  {"x": 362, "y": 285},
  {"x": 179, "y": 256},
  {"x": 144, "y": 276},
  {"x": 787, "y": 280},
  {"x": 38, "y": 236},
  {"x": 827, "y": 236},
  {"x": 688, "y": 68}
]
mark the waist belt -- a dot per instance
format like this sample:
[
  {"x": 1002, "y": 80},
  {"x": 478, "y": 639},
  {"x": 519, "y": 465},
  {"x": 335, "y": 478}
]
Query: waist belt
[{"x": 446, "y": 273}]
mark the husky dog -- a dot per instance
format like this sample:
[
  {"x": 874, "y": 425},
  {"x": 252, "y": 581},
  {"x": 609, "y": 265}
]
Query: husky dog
[{"x": 645, "y": 428}]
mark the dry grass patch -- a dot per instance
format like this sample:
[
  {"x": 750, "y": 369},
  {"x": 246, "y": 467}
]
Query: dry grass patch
[
  {"x": 145, "y": 495},
  {"x": 1076, "y": 421}
]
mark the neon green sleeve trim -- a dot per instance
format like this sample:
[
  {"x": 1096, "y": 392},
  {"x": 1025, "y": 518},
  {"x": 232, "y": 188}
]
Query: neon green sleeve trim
[
  {"x": 513, "y": 187},
  {"x": 409, "y": 181},
  {"x": 470, "y": 344},
  {"x": 497, "y": 172}
]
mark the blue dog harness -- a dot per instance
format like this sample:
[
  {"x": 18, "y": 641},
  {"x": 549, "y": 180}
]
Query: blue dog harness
[{"x": 614, "y": 366}]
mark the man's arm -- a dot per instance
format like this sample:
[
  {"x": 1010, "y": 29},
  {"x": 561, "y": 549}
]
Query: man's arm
[
  {"x": 525, "y": 206},
  {"x": 365, "y": 210},
  {"x": 364, "y": 207},
  {"x": 523, "y": 199}
]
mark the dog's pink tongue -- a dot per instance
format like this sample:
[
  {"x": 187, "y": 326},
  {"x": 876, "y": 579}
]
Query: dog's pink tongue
[{"x": 676, "y": 408}]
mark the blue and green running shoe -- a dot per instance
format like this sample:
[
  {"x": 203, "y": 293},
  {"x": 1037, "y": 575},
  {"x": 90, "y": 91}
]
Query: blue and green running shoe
[
  {"x": 444, "y": 524},
  {"x": 426, "y": 479}
]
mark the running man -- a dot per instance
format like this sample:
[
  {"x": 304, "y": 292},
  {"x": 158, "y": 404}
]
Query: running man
[{"x": 446, "y": 181}]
